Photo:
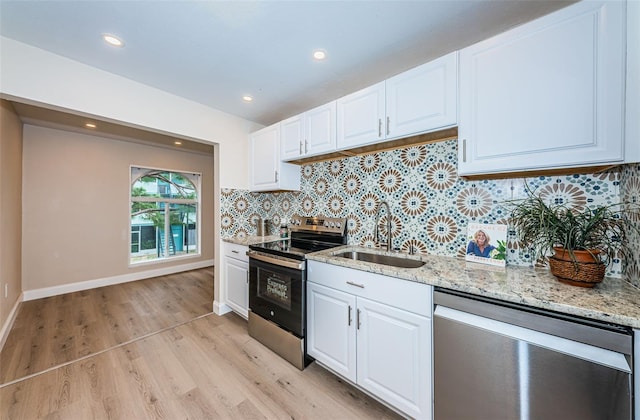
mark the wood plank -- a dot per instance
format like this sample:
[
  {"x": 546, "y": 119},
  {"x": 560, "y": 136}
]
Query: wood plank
[
  {"x": 59, "y": 329},
  {"x": 205, "y": 367}
]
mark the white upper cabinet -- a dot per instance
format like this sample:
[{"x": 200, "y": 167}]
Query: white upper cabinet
[
  {"x": 360, "y": 117},
  {"x": 310, "y": 133},
  {"x": 632, "y": 123},
  {"x": 548, "y": 94},
  {"x": 424, "y": 98},
  {"x": 419, "y": 100},
  {"x": 292, "y": 137},
  {"x": 320, "y": 129},
  {"x": 266, "y": 171}
]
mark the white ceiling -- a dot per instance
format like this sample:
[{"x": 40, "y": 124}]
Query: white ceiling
[{"x": 213, "y": 52}]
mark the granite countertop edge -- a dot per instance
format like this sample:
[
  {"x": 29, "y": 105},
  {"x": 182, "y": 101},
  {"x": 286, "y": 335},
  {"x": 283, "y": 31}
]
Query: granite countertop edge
[
  {"x": 613, "y": 301},
  {"x": 250, "y": 240}
]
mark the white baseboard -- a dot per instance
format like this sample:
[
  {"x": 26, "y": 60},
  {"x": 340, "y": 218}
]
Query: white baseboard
[
  {"x": 109, "y": 281},
  {"x": 220, "y": 308},
  {"x": 6, "y": 327}
]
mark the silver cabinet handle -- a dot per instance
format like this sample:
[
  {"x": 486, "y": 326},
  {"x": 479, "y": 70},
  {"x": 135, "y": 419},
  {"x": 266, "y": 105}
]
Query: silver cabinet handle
[
  {"x": 276, "y": 176},
  {"x": 306, "y": 146},
  {"x": 356, "y": 284},
  {"x": 349, "y": 316},
  {"x": 388, "y": 125},
  {"x": 379, "y": 127},
  {"x": 300, "y": 146},
  {"x": 234, "y": 251},
  {"x": 464, "y": 150},
  {"x": 358, "y": 318},
  {"x": 247, "y": 276}
]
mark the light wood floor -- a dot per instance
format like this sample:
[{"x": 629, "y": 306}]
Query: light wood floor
[
  {"x": 146, "y": 364},
  {"x": 58, "y": 329}
]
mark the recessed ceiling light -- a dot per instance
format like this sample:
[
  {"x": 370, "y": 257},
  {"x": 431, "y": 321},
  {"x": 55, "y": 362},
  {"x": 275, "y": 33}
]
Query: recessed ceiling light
[
  {"x": 112, "y": 40},
  {"x": 90, "y": 125},
  {"x": 177, "y": 143},
  {"x": 247, "y": 98},
  {"x": 319, "y": 55}
]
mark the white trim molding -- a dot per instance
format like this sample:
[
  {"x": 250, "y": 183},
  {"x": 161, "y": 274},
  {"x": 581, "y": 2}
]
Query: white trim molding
[
  {"x": 109, "y": 281},
  {"x": 220, "y": 308},
  {"x": 6, "y": 327}
]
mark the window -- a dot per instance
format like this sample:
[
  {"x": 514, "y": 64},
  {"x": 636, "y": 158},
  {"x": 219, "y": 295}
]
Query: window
[{"x": 165, "y": 210}]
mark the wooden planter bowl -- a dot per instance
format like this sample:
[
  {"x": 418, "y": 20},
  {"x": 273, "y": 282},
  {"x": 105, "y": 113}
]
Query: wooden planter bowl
[{"x": 586, "y": 271}]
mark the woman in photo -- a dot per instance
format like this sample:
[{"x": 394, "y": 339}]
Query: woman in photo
[{"x": 479, "y": 245}]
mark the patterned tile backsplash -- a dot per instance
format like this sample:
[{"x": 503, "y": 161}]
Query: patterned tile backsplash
[
  {"x": 430, "y": 205},
  {"x": 630, "y": 195}
]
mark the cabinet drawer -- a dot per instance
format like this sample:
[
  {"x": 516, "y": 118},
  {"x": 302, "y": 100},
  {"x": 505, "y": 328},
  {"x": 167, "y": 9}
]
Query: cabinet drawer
[
  {"x": 404, "y": 294},
  {"x": 236, "y": 251}
]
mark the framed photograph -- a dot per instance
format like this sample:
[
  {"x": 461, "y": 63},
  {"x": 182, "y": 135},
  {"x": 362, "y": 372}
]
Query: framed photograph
[{"x": 487, "y": 243}]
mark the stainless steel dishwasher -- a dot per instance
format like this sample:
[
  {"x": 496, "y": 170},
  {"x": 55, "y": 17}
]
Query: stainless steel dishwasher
[{"x": 495, "y": 360}]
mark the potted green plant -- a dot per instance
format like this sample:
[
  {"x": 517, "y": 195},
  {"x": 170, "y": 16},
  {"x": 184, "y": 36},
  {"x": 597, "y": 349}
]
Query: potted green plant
[{"x": 583, "y": 241}]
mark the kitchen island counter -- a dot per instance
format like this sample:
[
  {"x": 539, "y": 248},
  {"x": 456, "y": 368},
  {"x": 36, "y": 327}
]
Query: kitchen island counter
[{"x": 614, "y": 300}]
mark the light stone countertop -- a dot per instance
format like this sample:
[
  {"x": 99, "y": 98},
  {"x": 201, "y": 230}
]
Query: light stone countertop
[
  {"x": 251, "y": 240},
  {"x": 614, "y": 300}
]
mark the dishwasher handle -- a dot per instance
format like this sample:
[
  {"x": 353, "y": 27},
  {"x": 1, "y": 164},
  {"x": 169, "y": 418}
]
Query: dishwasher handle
[{"x": 583, "y": 351}]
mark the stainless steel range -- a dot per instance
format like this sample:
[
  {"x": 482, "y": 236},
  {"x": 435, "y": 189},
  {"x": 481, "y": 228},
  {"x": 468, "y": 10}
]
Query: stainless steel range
[{"x": 277, "y": 284}]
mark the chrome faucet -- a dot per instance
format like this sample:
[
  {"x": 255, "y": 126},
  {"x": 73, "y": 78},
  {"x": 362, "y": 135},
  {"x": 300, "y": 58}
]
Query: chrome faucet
[{"x": 376, "y": 231}]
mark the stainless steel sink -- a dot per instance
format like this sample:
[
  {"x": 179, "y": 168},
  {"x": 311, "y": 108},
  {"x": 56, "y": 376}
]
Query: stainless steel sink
[{"x": 381, "y": 259}]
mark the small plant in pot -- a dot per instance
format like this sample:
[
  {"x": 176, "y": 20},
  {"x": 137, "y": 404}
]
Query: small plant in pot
[{"x": 584, "y": 241}]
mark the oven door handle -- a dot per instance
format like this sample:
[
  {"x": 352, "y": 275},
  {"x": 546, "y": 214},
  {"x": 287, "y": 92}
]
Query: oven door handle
[{"x": 294, "y": 264}]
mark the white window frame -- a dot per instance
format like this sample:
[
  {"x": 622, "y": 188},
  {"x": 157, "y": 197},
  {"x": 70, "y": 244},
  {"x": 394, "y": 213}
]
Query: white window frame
[{"x": 196, "y": 179}]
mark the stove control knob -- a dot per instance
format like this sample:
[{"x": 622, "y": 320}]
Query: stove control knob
[
  {"x": 326, "y": 224},
  {"x": 338, "y": 225},
  {"x": 332, "y": 225}
]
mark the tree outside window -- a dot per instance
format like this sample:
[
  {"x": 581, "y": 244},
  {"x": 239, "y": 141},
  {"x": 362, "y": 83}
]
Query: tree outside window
[{"x": 164, "y": 214}]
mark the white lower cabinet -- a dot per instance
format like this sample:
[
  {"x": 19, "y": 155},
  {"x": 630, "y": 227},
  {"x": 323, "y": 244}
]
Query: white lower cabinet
[
  {"x": 394, "y": 356},
  {"x": 236, "y": 269},
  {"x": 331, "y": 329},
  {"x": 374, "y": 331}
]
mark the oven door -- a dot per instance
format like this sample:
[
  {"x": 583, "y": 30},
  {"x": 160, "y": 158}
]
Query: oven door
[{"x": 277, "y": 291}]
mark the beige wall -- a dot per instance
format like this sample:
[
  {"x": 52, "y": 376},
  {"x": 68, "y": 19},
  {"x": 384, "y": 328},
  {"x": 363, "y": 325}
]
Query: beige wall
[
  {"x": 59, "y": 83},
  {"x": 10, "y": 209},
  {"x": 76, "y": 205}
]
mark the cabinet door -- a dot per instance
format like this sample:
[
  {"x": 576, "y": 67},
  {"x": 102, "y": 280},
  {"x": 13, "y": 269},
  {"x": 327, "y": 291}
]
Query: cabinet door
[
  {"x": 292, "y": 137},
  {"x": 264, "y": 158},
  {"x": 361, "y": 117},
  {"x": 331, "y": 335},
  {"x": 632, "y": 122},
  {"x": 424, "y": 98},
  {"x": 394, "y": 356},
  {"x": 320, "y": 129},
  {"x": 547, "y": 94},
  {"x": 237, "y": 287}
]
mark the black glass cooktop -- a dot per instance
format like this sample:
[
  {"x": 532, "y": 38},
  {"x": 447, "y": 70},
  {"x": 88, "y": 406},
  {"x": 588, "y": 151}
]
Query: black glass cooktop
[
  {"x": 308, "y": 234},
  {"x": 291, "y": 248}
]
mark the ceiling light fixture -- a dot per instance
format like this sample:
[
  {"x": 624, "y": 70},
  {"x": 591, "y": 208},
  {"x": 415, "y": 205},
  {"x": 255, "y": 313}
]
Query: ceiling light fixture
[
  {"x": 90, "y": 125},
  {"x": 112, "y": 40},
  {"x": 319, "y": 54},
  {"x": 247, "y": 98},
  {"x": 177, "y": 143}
]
